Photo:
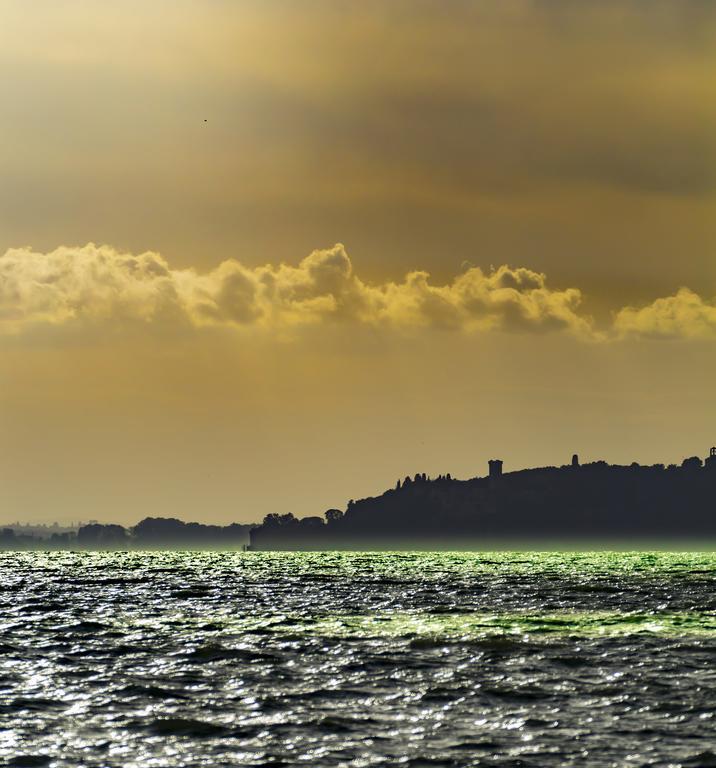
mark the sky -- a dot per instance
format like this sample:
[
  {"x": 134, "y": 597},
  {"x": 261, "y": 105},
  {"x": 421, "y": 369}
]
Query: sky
[{"x": 270, "y": 256}]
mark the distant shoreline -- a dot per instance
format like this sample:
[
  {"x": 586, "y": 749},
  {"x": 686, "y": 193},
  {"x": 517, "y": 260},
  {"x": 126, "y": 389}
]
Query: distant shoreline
[{"x": 580, "y": 507}]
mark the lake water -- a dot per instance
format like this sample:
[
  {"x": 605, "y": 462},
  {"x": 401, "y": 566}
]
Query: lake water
[{"x": 357, "y": 659}]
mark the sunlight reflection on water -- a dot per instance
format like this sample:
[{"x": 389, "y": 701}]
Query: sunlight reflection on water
[{"x": 328, "y": 659}]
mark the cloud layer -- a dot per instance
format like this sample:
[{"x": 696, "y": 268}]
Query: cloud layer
[{"x": 99, "y": 284}]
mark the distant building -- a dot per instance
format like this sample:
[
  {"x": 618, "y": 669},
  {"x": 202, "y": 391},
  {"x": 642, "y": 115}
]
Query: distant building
[
  {"x": 495, "y": 466},
  {"x": 575, "y": 460},
  {"x": 494, "y": 481},
  {"x": 710, "y": 462}
]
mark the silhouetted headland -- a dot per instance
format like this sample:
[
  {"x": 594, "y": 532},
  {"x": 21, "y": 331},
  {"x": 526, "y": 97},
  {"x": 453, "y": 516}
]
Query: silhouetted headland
[{"x": 573, "y": 502}]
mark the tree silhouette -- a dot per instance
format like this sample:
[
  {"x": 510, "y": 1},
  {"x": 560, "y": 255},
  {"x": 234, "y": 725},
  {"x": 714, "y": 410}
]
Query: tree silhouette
[{"x": 333, "y": 515}]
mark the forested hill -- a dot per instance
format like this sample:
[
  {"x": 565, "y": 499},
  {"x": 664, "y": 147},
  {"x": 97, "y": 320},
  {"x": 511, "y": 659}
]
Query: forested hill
[{"x": 573, "y": 501}]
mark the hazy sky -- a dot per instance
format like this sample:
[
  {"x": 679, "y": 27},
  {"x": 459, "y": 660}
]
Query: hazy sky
[{"x": 269, "y": 256}]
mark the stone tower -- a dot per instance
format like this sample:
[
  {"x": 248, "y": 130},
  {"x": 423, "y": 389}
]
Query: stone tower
[
  {"x": 710, "y": 462},
  {"x": 495, "y": 466}
]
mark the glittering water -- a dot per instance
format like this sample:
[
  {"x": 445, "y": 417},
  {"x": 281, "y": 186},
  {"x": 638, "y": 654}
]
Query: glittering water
[{"x": 355, "y": 659}]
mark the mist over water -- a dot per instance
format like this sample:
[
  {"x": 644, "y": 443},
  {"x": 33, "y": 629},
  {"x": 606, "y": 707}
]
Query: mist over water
[{"x": 357, "y": 659}]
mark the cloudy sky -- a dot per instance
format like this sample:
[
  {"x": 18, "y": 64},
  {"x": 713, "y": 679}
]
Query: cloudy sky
[{"x": 268, "y": 256}]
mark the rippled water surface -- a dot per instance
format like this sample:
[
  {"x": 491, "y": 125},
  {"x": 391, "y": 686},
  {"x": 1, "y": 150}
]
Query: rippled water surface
[{"x": 356, "y": 659}]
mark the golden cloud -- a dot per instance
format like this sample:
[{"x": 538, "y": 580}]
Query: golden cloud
[
  {"x": 683, "y": 315},
  {"x": 99, "y": 284},
  {"x": 94, "y": 285}
]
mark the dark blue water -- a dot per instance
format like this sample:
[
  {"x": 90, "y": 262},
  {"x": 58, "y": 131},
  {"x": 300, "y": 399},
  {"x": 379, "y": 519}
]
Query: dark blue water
[{"x": 341, "y": 659}]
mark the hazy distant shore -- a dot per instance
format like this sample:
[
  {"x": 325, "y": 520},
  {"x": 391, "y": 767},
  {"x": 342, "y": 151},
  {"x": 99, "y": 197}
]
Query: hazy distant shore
[{"x": 152, "y": 533}]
